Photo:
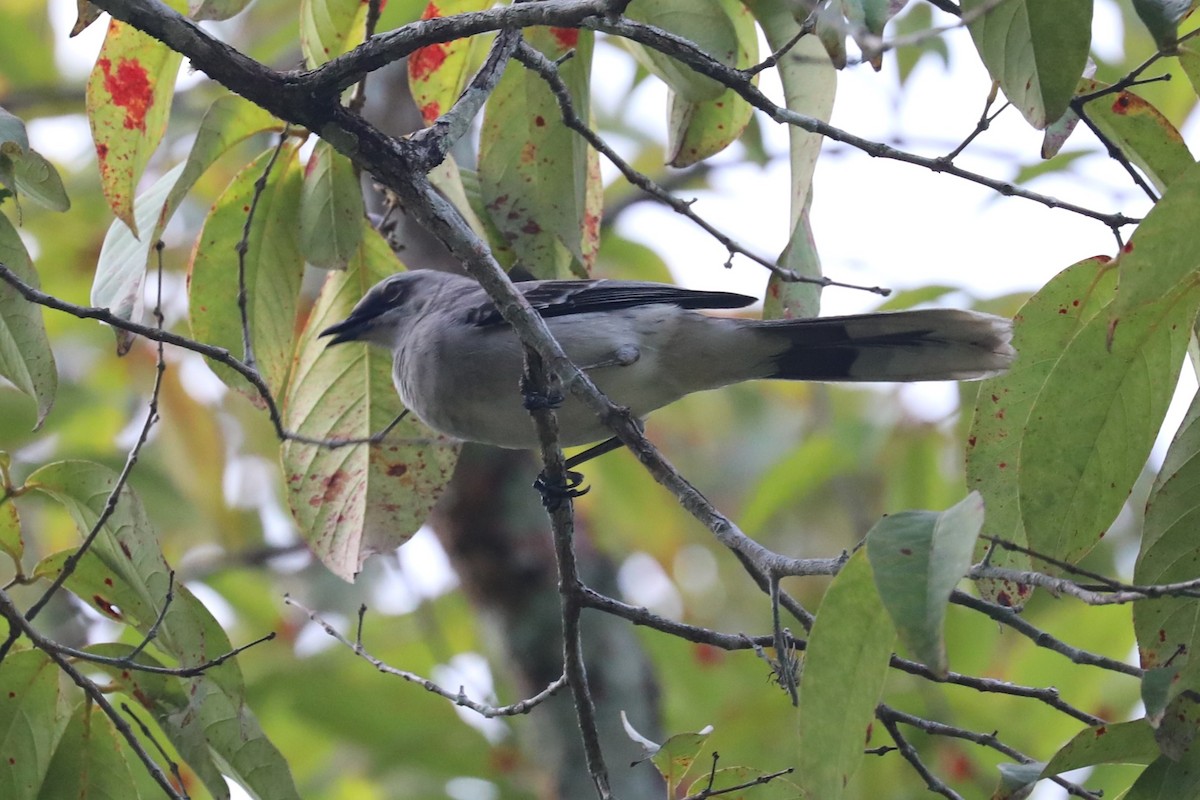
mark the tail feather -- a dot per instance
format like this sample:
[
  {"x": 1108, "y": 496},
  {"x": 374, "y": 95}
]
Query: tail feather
[{"x": 930, "y": 345}]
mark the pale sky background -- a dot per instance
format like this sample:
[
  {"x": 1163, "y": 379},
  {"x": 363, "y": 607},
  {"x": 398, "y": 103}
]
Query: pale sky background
[{"x": 876, "y": 222}]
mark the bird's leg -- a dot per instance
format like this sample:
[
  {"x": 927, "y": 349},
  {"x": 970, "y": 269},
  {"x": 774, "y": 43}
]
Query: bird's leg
[
  {"x": 535, "y": 400},
  {"x": 553, "y": 494}
]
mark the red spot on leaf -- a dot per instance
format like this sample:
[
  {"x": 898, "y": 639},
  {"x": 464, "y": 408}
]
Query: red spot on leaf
[
  {"x": 431, "y": 11},
  {"x": 426, "y": 61},
  {"x": 1003, "y": 465},
  {"x": 706, "y": 655},
  {"x": 531, "y": 228},
  {"x": 101, "y": 151},
  {"x": 1128, "y": 248},
  {"x": 970, "y": 441},
  {"x": 125, "y": 550},
  {"x": 130, "y": 88},
  {"x": 906, "y": 551},
  {"x": 1101, "y": 731},
  {"x": 566, "y": 37},
  {"x": 431, "y": 111},
  {"x": 108, "y": 582},
  {"x": 396, "y": 470},
  {"x": 1121, "y": 104},
  {"x": 539, "y": 121},
  {"x": 106, "y": 607},
  {"x": 1003, "y": 599}
]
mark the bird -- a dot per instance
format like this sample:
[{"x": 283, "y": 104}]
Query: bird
[{"x": 457, "y": 364}]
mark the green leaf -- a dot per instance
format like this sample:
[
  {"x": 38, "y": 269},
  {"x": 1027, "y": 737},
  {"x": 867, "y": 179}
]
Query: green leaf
[
  {"x": 1035, "y": 49},
  {"x": 705, "y": 23},
  {"x": 1166, "y": 779},
  {"x": 678, "y": 755},
  {"x": 125, "y": 576},
  {"x": 1016, "y": 780},
  {"x": 1115, "y": 389},
  {"x": 331, "y": 209},
  {"x": 351, "y": 502},
  {"x": 25, "y": 355},
  {"x": 37, "y": 178},
  {"x": 1141, "y": 133},
  {"x": 1162, "y": 258},
  {"x": 844, "y": 670},
  {"x": 121, "y": 268},
  {"x": 534, "y": 173},
  {"x": 795, "y": 299},
  {"x": 273, "y": 269},
  {"x": 89, "y": 763},
  {"x": 1116, "y": 743},
  {"x": 698, "y": 129},
  {"x": 1168, "y": 628},
  {"x": 1162, "y": 18},
  {"x": 14, "y": 140},
  {"x": 129, "y": 97},
  {"x": 11, "y": 543},
  {"x": 917, "y": 558},
  {"x": 216, "y": 9},
  {"x": 32, "y": 716},
  {"x": 438, "y": 72},
  {"x": 1043, "y": 329},
  {"x": 329, "y": 28}
]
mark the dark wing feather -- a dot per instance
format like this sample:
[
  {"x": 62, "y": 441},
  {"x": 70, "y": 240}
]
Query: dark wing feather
[{"x": 560, "y": 298}]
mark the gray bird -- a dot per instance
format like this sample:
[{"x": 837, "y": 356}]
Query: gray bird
[{"x": 457, "y": 364}]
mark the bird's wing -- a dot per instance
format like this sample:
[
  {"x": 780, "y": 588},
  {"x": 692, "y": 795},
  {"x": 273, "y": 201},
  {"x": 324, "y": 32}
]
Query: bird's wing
[{"x": 560, "y": 298}]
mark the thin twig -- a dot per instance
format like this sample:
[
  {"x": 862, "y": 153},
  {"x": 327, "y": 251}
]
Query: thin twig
[{"x": 459, "y": 698}]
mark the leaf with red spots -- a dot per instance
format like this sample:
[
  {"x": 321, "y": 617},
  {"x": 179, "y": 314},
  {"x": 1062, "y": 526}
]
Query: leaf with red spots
[
  {"x": 845, "y": 666},
  {"x": 124, "y": 571},
  {"x": 329, "y": 28},
  {"x": 1035, "y": 49},
  {"x": 32, "y": 717},
  {"x": 1139, "y": 131},
  {"x": 537, "y": 179},
  {"x": 1168, "y": 629},
  {"x": 1043, "y": 328},
  {"x": 331, "y": 209},
  {"x": 25, "y": 355},
  {"x": 918, "y": 558},
  {"x": 437, "y": 73},
  {"x": 1114, "y": 390},
  {"x": 89, "y": 762},
  {"x": 675, "y": 758},
  {"x": 1114, "y": 743},
  {"x": 273, "y": 268},
  {"x": 121, "y": 269},
  {"x": 698, "y": 129},
  {"x": 128, "y": 101},
  {"x": 352, "y": 502}
]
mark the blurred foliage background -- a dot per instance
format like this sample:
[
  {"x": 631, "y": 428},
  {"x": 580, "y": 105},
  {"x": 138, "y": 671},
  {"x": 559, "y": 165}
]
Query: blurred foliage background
[{"x": 806, "y": 468}]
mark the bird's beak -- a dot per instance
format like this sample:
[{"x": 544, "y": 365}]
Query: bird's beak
[{"x": 348, "y": 330}]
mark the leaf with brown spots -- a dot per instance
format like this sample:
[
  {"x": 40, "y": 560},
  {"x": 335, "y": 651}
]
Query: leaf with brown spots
[
  {"x": 1043, "y": 328},
  {"x": 352, "y": 502},
  {"x": 539, "y": 181}
]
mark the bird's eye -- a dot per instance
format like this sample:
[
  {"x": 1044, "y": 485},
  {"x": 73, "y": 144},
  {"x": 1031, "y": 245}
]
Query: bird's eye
[{"x": 393, "y": 291}]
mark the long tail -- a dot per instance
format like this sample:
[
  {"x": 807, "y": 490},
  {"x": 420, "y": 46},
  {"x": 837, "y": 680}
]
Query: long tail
[{"x": 932, "y": 345}]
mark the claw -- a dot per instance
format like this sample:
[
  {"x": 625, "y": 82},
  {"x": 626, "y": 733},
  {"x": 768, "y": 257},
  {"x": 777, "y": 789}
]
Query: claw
[{"x": 553, "y": 494}]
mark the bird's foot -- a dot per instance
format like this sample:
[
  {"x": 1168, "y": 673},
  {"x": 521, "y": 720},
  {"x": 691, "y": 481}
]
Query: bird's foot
[
  {"x": 554, "y": 493},
  {"x": 535, "y": 400}
]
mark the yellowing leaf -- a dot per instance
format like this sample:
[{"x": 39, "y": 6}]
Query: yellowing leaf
[
  {"x": 351, "y": 502},
  {"x": 438, "y": 72},
  {"x": 331, "y": 209},
  {"x": 128, "y": 101},
  {"x": 273, "y": 269},
  {"x": 329, "y": 28}
]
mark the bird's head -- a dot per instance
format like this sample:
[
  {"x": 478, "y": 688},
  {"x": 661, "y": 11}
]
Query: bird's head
[{"x": 379, "y": 317}]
